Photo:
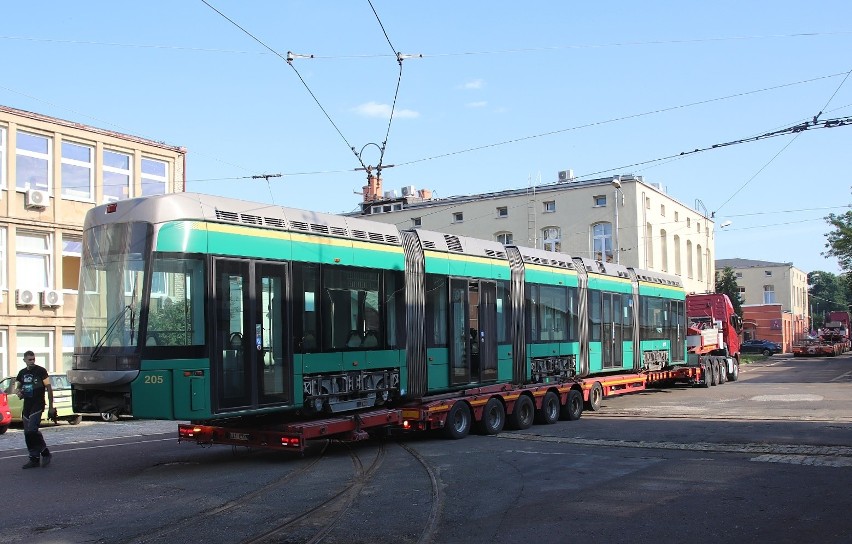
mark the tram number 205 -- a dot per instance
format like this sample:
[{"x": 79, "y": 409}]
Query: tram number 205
[{"x": 154, "y": 380}]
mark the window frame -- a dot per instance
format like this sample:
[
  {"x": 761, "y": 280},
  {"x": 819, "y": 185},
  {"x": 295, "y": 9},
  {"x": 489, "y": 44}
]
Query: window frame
[
  {"x": 502, "y": 211},
  {"x": 597, "y": 201},
  {"x": 153, "y": 178},
  {"x": 3, "y": 140},
  {"x": 47, "y": 157},
  {"x": 600, "y": 239},
  {"x": 458, "y": 217},
  {"x": 78, "y": 254},
  {"x": 504, "y": 234},
  {"x": 549, "y": 206},
  {"x": 46, "y": 254},
  {"x": 554, "y": 242},
  {"x": 116, "y": 170},
  {"x": 90, "y": 197}
]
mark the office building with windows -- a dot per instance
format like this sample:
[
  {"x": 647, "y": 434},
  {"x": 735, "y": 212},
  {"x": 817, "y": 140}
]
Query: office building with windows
[
  {"x": 621, "y": 219},
  {"x": 775, "y": 299},
  {"x": 52, "y": 172}
]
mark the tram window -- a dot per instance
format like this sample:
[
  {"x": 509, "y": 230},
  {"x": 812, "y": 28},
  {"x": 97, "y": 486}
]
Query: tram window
[
  {"x": 436, "y": 311},
  {"x": 350, "y": 303},
  {"x": 552, "y": 313},
  {"x": 595, "y": 316},
  {"x": 504, "y": 313},
  {"x": 573, "y": 315},
  {"x": 305, "y": 286},
  {"x": 176, "y": 303},
  {"x": 395, "y": 308}
]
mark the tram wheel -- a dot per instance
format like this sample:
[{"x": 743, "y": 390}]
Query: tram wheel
[
  {"x": 522, "y": 415},
  {"x": 548, "y": 414}
]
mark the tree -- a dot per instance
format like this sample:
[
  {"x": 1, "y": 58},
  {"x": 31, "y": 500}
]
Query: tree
[
  {"x": 826, "y": 292},
  {"x": 726, "y": 284},
  {"x": 839, "y": 240}
]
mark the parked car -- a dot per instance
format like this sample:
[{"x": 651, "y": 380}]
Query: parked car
[
  {"x": 5, "y": 413},
  {"x": 764, "y": 347},
  {"x": 61, "y": 399}
]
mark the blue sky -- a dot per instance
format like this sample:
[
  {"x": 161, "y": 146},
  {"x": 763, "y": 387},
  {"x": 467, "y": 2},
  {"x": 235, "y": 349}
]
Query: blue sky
[{"x": 505, "y": 93}]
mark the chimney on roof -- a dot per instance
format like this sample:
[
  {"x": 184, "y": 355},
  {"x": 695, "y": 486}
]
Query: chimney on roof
[{"x": 373, "y": 190}]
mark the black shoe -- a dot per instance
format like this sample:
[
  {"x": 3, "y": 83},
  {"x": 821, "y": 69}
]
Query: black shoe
[
  {"x": 32, "y": 463},
  {"x": 45, "y": 460}
]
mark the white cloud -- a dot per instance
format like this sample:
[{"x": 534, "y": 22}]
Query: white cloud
[
  {"x": 383, "y": 111},
  {"x": 480, "y": 104},
  {"x": 473, "y": 84}
]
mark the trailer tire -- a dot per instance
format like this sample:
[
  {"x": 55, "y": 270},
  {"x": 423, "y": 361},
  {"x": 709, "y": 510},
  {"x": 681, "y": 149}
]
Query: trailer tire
[
  {"x": 723, "y": 370},
  {"x": 714, "y": 372},
  {"x": 493, "y": 417},
  {"x": 595, "y": 397},
  {"x": 522, "y": 414},
  {"x": 735, "y": 373},
  {"x": 458, "y": 421},
  {"x": 573, "y": 408},
  {"x": 706, "y": 370},
  {"x": 548, "y": 414}
]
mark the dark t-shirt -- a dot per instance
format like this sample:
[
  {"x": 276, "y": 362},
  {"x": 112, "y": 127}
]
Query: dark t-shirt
[{"x": 31, "y": 384}]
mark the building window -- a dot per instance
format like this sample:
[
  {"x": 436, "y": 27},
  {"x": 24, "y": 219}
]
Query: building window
[
  {"x": 153, "y": 177},
  {"x": 3, "y": 160},
  {"x": 458, "y": 217},
  {"x": 738, "y": 274},
  {"x": 649, "y": 245},
  {"x": 602, "y": 242},
  {"x": 67, "y": 348},
  {"x": 741, "y": 290},
  {"x": 376, "y": 209},
  {"x": 3, "y": 259},
  {"x": 33, "y": 168},
  {"x": 502, "y": 211},
  {"x": 689, "y": 259},
  {"x": 386, "y": 208},
  {"x": 416, "y": 221},
  {"x": 504, "y": 238},
  {"x": 688, "y": 222},
  {"x": 676, "y": 217},
  {"x": 699, "y": 257},
  {"x": 550, "y": 206},
  {"x": 117, "y": 176},
  {"x": 677, "y": 254},
  {"x": 663, "y": 210},
  {"x": 40, "y": 343},
  {"x": 664, "y": 251},
  {"x": 769, "y": 294},
  {"x": 551, "y": 238},
  {"x": 647, "y": 203},
  {"x": 32, "y": 260},
  {"x": 78, "y": 171},
  {"x": 397, "y": 207},
  {"x": 767, "y": 273},
  {"x": 72, "y": 251},
  {"x": 698, "y": 226},
  {"x": 600, "y": 201},
  {"x": 4, "y": 354}
]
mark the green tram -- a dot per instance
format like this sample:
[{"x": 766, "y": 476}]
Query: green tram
[{"x": 196, "y": 307}]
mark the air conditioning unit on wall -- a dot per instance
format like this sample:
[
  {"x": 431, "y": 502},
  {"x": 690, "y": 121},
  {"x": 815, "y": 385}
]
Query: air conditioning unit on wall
[
  {"x": 51, "y": 298},
  {"x": 36, "y": 200},
  {"x": 25, "y": 297}
]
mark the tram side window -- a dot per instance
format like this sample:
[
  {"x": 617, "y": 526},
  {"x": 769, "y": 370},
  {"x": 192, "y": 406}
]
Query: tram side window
[
  {"x": 627, "y": 317},
  {"x": 552, "y": 313},
  {"x": 595, "y": 316},
  {"x": 573, "y": 315},
  {"x": 437, "y": 295},
  {"x": 350, "y": 308},
  {"x": 653, "y": 319},
  {"x": 305, "y": 288},
  {"x": 504, "y": 313},
  {"x": 176, "y": 303},
  {"x": 395, "y": 309}
]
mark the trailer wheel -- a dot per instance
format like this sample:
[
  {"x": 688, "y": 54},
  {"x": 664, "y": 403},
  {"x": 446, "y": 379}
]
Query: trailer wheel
[
  {"x": 522, "y": 415},
  {"x": 458, "y": 421},
  {"x": 723, "y": 370},
  {"x": 573, "y": 408},
  {"x": 735, "y": 373},
  {"x": 595, "y": 397},
  {"x": 548, "y": 414},
  {"x": 714, "y": 372},
  {"x": 493, "y": 417},
  {"x": 706, "y": 370}
]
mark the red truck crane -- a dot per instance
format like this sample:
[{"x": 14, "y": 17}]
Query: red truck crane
[{"x": 832, "y": 340}]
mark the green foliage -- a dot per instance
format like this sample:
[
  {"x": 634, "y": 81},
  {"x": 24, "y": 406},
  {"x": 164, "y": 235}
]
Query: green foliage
[
  {"x": 827, "y": 292},
  {"x": 170, "y": 324},
  {"x": 726, "y": 283},
  {"x": 839, "y": 240}
]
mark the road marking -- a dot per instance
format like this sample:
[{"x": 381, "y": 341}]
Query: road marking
[
  {"x": 61, "y": 451},
  {"x": 804, "y": 460},
  {"x": 788, "y": 398},
  {"x": 845, "y": 376}
]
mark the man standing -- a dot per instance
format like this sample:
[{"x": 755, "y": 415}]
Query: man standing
[{"x": 31, "y": 384}]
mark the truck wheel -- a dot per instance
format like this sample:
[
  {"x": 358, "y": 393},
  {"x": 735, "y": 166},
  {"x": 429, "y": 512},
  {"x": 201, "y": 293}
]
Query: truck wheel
[
  {"x": 573, "y": 409},
  {"x": 723, "y": 371},
  {"x": 522, "y": 415},
  {"x": 735, "y": 374},
  {"x": 493, "y": 417},
  {"x": 706, "y": 370},
  {"x": 3, "y": 428},
  {"x": 714, "y": 372},
  {"x": 458, "y": 421},
  {"x": 109, "y": 416},
  {"x": 595, "y": 397},
  {"x": 548, "y": 414}
]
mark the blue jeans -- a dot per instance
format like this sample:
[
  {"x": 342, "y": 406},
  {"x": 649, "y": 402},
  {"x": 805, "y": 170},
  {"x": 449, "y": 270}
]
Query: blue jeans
[{"x": 32, "y": 436}]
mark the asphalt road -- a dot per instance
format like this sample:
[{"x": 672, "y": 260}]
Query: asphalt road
[{"x": 765, "y": 459}]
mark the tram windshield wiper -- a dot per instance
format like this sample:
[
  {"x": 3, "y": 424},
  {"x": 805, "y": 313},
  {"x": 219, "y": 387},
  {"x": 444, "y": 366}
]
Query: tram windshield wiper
[{"x": 99, "y": 346}]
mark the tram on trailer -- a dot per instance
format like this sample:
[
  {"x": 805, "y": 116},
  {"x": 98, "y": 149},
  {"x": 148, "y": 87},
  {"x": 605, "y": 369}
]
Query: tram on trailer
[{"x": 196, "y": 307}]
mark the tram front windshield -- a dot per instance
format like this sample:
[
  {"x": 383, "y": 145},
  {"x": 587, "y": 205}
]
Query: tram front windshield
[{"x": 112, "y": 274}]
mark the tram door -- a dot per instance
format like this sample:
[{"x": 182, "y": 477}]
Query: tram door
[
  {"x": 612, "y": 344},
  {"x": 250, "y": 363},
  {"x": 473, "y": 335}
]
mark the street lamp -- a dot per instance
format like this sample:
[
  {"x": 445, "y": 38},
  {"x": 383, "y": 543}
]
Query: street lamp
[{"x": 616, "y": 183}]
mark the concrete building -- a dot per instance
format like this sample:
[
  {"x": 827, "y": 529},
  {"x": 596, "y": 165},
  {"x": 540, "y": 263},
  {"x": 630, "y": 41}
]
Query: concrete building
[
  {"x": 775, "y": 299},
  {"x": 51, "y": 173},
  {"x": 623, "y": 219}
]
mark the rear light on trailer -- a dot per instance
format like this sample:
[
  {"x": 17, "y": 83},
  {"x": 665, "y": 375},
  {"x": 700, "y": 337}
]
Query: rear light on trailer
[
  {"x": 406, "y": 425},
  {"x": 185, "y": 431},
  {"x": 290, "y": 441}
]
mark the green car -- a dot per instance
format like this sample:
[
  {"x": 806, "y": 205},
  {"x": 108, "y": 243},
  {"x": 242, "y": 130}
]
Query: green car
[{"x": 61, "y": 399}]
